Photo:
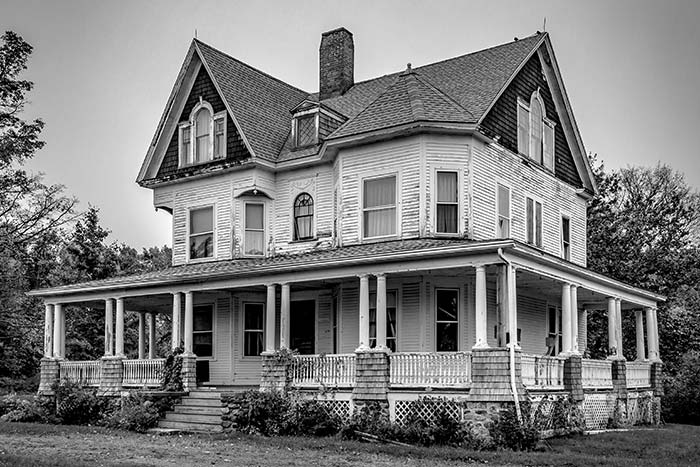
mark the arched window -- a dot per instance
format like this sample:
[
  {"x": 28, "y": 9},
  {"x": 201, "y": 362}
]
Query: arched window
[
  {"x": 535, "y": 131},
  {"x": 536, "y": 114},
  {"x": 202, "y": 136},
  {"x": 202, "y": 128},
  {"x": 303, "y": 217}
]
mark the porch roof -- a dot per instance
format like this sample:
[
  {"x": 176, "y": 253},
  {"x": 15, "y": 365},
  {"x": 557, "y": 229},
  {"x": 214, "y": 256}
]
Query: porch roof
[{"x": 435, "y": 253}]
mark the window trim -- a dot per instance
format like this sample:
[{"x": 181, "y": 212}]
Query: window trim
[
  {"x": 295, "y": 127},
  {"x": 510, "y": 208},
  {"x": 188, "y": 227},
  {"x": 564, "y": 215},
  {"x": 460, "y": 318},
  {"x": 252, "y": 301},
  {"x": 434, "y": 203},
  {"x": 536, "y": 200},
  {"x": 294, "y": 218},
  {"x": 188, "y": 160},
  {"x": 547, "y": 123},
  {"x": 219, "y": 116},
  {"x": 397, "y": 206},
  {"x": 244, "y": 228},
  {"x": 212, "y": 305}
]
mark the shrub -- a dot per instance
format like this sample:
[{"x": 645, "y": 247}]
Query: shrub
[
  {"x": 136, "y": 414},
  {"x": 681, "y": 402},
  {"x": 76, "y": 405},
  {"x": 14, "y": 408},
  {"x": 310, "y": 418},
  {"x": 511, "y": 433},
  {"x": 261, "y": 412},
  {"x": 171, "y": 379}
]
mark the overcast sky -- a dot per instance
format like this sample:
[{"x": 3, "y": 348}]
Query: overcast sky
[{"x": 103, "y": 72}]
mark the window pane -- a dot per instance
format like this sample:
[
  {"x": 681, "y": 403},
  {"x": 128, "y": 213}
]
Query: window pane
[
  {"x": 447, "y": 187},
  {"x": 536, "y": 130},
  {"x": 446, "y": 337},
  {"x": 529, "y": 217},
  {"x": 202, "y": 344},
  {"x": 253, "y": 316},
  {"x": 380, "y": 222},
  {"x": 447, "y": 218},
  {"x": 523, "y": 130},
  {"x": 201, "y": 246},
  {"x": 447, "y": 305},
  {"x": 303, "y": 216},
  {"x": 219, "y": 142},
  {"x": 538, "y": 224},
  {"x": 201, "y": 220},
  {"x": 503, "y": 201},
  {"x": 202, "y": 318},
  {"x": 254, "y": 216},
  {"x": 254, "y": 243},
  {"x": 253, "y": 344},
  {"x": 306, "y": 130},
  {"x": 565, "y": 229},
  {"x": 202, "y": 122},
  {"x": 380, "y": 192}
]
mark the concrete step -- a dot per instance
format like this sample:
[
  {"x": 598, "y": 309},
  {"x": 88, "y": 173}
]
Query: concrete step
[
  {"x": 198, "y": 394},
  {"x": 190, "y": 418},
  {"x": 198, "y": 410},
  {"x": 197, "y": 402},
  {"x": 190, "y": 427}
]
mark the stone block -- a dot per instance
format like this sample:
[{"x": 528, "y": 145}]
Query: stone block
[{"x": 49, "y": 374}]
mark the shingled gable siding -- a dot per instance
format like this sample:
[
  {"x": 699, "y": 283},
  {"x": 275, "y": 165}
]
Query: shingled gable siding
[
  {"x": 502, "y": 120},
  {"x": 235, "y": 149},
  {"x": 491, "y": 166}
]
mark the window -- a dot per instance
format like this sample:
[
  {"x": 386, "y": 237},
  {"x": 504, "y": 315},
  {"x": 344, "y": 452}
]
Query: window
[
  {"x": 203, "y": 136},
  {"x": 565, "y": 238},
  {"x": 534, "y": 222},
  {"x": 201, "y": 233},
  {"x": 334, "y": 323},
  {"x": 202, "y": 330},
  {"x": 447, "y": 203},
  {"x": 302, "y": 328},
  {"x": 379, "y": 207},
  {"x": 303, "y": 217},
  {"x": 447, "y": 320},
  {"x": 503, "y": 201},
  {"x": 254, "y": 242},
  {"x": 391, "y": 328},
  {"x": 306, "y": 130},
  {"x": 554, "y": 338},
  {"x": 535, "y": 131},
  {"x": 253, "y": 317}
]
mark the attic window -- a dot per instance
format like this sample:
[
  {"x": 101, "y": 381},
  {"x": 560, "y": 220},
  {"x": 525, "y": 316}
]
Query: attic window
[
  {"x": 202, "y": 138},
  {"x": 535, "y": 131},
  {"x": 305, "y": 130}
]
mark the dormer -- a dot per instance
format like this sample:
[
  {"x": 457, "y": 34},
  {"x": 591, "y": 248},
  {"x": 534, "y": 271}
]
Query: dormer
[{"x": 312, "y": 123}]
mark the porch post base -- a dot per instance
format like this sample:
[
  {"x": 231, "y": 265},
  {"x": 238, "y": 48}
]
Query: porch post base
[
  {"x": 619, "y": 377},
  {"x": 371, "y": 376},
  {"x": 655, "y": 378},
  {"x": 573, "y": 382},
  {"x": 275, "y": 373},
  {"x": 111, "y": 375},
  {"x": 491, "y": 376},
  {"x": 188, "y": 372},
  {"x": 49, "y": 374}
]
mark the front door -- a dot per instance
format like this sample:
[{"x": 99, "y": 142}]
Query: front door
[{"x": 302, "y": 326}]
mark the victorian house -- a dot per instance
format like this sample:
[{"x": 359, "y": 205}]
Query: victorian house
[{"x": 420, "y": 231}]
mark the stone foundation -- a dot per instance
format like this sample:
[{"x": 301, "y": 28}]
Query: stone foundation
[
  {"x": 275, "y": 373},
  {"x": 188, "y": 372}
]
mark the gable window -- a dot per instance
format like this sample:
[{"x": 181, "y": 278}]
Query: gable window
[
  {"x": 253, "y": 317},
  {"x": 391, "y": 327},
  {"x": 202, "y": 330},
  {"x": 303, "y": 217},
  {"x": 203, "y": 136},
  {"x": 533, "y": 222},
  {"x": 535, "y": 131},
  {"x": 503, "y": 202},
  {"x": 254, "y": 242},
  {"x": 446, "y": 320},
  {"x": 565, "y": 238},
  {"x": 201, "y": 241},
  {"x": 306, "y": 131},
  {"x": 379, "y": 207},
  {"x": 447, "y": 203}
]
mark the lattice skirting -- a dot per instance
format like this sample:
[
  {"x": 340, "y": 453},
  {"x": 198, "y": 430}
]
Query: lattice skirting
[
  {"x": 598, "y": 409},
  {"x": 641, "y": 408},
  {"x": 340, "y": 408},
  {"x": 404, "y": 411},
  {"x": 541, "y": 407}
]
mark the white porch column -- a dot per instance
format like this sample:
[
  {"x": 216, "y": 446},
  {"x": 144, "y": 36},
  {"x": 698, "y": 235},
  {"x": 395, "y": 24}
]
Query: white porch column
[
  {"x": 574, "y": 319},
  {"x": 48, "y": 330},
  {"x": 512, "y": 307},
  {"x": 652, "y": 335},
  {"x": 618, "y": 328},
  {"x": 151, "y": 336},
  {"x": 639, "y": 322},
  {"x": 57, "y": 331},
  {"x": 566, "y": 319},
  {"x": 480, "y": 326},
  {"x": 285, "y": 305},
  {"x": 142, "y": 336},
  {"x": 189, "y": 322},
  {"x": 119, "y": 333},
  {"x": 364, "y": 313},
  {"x": 270, "y": 317},
  {"x": 109, "y": 327},
  {"x": 177, "y": 338},
  {"x": 381, "y": 312},
  {"x": 612, "y": 335}
]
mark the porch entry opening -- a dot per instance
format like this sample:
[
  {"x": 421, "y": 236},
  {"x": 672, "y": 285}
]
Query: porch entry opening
[
  {"x": 302, "y": 326},
  {"x": 203, "y": 339}
]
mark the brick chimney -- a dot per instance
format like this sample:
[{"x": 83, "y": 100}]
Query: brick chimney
[{"x": 336, "y": 63}]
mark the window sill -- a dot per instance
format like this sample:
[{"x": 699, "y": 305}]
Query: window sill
[
  {"x": 201, "y": 260},
  {"x": 382, "y": 238},
  {"x": 304, "y": 240}
]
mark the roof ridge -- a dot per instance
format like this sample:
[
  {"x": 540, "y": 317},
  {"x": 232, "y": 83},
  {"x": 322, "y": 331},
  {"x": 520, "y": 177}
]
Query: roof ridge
[{"x": 268, "y": 75}]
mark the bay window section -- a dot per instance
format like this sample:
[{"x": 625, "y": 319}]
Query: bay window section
[
  {"x": 203, "y": 331},
  {"x": 447, "y": 320},
  {"x": 503, "y": 224},
  {"x": 447, "y": 203},
  {"x": 379, "y": 207},
  {"x": 391, "y": 325},
  {"x": 253, "y": 324},
  {"x": 534, "y": 222},
  {"x": 254, "y": 242},
  {"x": 201, "y": 229}
]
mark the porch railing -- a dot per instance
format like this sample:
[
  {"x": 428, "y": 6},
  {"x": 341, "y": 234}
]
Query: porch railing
[
  {"x": 337, "y": 370},
  {"x": 596, "y": 374},
  {"x": 444, "y": 369},
  {"x": 638, "y": 374},
  {"x": 86, "y": 373},
  {"x": 543, "y": 372},
  {"x": 143, "y": 372}
]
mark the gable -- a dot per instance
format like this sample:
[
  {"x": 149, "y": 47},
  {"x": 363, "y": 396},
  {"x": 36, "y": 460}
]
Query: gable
[
  {"x": 502, "y": 119},
  {"x": 236, "y": 150}
]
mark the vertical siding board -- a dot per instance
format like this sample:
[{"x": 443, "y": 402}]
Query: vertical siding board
[
  {"x": 409, "y": 318},
  {"x": 350, "y": 326},
  {"x": 532, "y": 321},
  {"x": 220, "y": 366}
]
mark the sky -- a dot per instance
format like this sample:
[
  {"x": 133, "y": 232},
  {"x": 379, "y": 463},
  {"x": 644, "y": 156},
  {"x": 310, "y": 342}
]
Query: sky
[{"x": 103, "y": 72}]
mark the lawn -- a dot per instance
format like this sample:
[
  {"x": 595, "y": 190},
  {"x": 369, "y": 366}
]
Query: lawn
[{"x": 49, "y": 445}]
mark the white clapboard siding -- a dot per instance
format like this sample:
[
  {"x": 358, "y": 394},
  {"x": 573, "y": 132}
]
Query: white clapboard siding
[
  {"x": 491, "y": 165},
  {"x": 220, "y": 366},
  {"x": 409, "y": 318},
  {"x": 398, "y": 157}
]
